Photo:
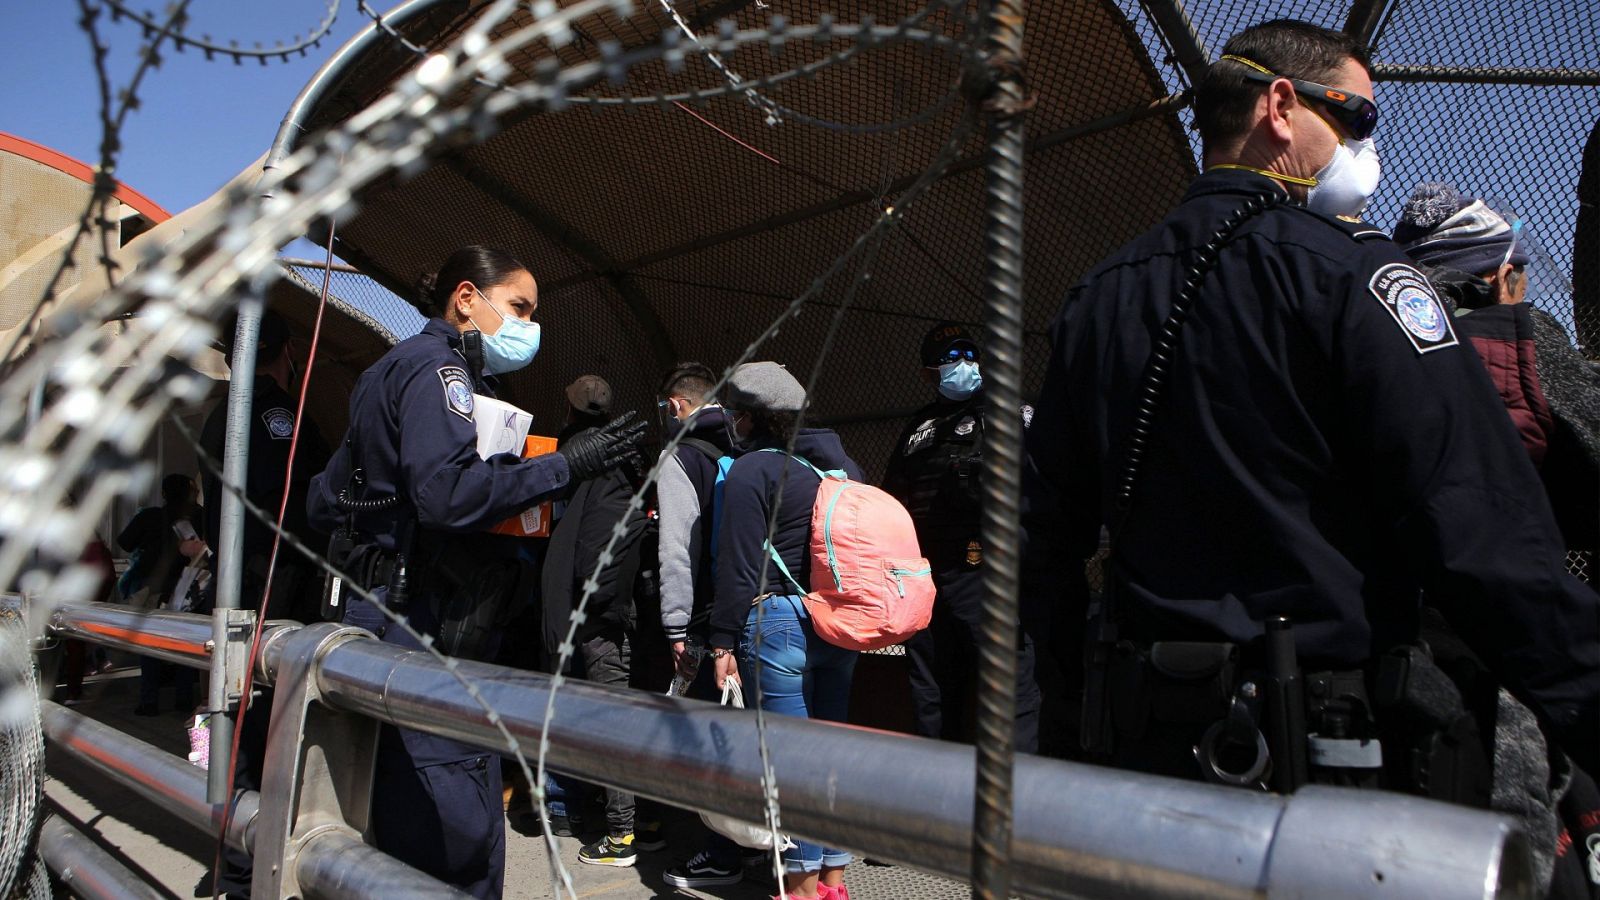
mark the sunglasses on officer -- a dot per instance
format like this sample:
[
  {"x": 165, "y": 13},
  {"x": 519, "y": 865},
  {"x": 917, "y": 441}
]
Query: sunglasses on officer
[
  {"x": 1355, "y": 113},
  {"x": 957, "y": 354}
]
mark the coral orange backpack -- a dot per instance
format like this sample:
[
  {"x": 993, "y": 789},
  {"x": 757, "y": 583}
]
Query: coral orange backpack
[{"x": 871, "y": 585}]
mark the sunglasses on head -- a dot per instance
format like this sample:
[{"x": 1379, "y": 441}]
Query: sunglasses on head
[{"x": 1357, "y": 115}]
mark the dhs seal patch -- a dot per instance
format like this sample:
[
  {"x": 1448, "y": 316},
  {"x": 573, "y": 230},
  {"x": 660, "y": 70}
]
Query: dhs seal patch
[
  {"x": 457, "y": 391},
  {"x": 1408, "y": 297},
  {"x": 279, "y": 422}
]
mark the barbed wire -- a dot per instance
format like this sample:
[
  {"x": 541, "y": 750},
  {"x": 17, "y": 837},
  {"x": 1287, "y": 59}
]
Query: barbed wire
[
  {"x": 298, "y": 45},
  {"x": 111, "y": 390},
  {"x": 214, "y": 468},
  {"x": 105, "y": 183},
  {"x": 886, "y": 219},
  {"x": 781, "y": 34},
  {"x": 96, "y": 211}
]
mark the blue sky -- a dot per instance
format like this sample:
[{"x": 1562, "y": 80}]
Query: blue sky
[{"x": 199, "y": 122}]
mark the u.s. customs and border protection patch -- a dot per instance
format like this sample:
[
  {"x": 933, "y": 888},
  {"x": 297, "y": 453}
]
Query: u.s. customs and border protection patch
[
  {"x": 1408, "y": 297},
  {"x": 279, "y": 422},
  {"x": 457, "y": 391},
  {"x": 974, "y": 553}
]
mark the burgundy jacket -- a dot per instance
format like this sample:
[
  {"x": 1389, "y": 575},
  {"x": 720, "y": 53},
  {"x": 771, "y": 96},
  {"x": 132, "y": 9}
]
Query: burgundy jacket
[{"x": 1503, "y": 336}]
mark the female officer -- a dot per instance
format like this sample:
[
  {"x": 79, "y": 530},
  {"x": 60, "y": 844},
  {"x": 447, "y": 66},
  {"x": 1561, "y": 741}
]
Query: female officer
[{"x": 410, "y": 500}]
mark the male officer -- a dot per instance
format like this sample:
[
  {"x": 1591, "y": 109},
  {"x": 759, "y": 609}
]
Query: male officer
[
  {"x": 294, "y": 595},
  {"x": 935, "y": 472},
  {"x": 1311, "y": 442},
  {"x": 272, "y": 431}
]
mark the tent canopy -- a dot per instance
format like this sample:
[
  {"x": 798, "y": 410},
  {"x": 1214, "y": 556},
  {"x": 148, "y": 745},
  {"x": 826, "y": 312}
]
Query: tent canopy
[{"x": 678, "y": 231}]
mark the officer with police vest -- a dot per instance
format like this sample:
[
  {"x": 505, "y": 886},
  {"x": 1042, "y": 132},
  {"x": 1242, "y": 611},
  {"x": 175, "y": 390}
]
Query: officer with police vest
[
  {"x": 409, "y": 500},
  {"x": 935, "y": 472},
  {"x": 1286, "y": 462}
]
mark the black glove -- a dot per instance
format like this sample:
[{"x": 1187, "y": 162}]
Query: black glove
[{"x": 602, "y": 449}]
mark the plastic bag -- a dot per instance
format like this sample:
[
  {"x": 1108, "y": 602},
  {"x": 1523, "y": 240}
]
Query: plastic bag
[{"x": 745, "y": 834}]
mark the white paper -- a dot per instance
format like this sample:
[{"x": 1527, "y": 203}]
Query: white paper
[
  {"x": 179, "y": 600},
  {"x": 502, "y": 428}
]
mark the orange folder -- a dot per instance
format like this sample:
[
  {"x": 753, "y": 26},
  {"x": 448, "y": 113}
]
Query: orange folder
[{"x": 534, "y": 521}]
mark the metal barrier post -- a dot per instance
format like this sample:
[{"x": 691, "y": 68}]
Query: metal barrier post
[
  {"x": 317, "y": 774},
  {"x": 230, "y": 543}
]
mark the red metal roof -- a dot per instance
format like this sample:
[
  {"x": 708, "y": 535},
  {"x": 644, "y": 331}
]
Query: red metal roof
[{"x": 10, "y": 143}]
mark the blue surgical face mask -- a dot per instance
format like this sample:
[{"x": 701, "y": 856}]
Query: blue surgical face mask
[
  {"x": 959, "y": 380},
  {"x": 510, "y": 348}
]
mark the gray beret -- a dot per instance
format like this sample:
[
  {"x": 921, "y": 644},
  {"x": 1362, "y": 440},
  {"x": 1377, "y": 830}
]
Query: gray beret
[{"x": 765, "y": 386}]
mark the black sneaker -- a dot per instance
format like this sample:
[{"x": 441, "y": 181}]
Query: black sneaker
[
  {"x": 610, "y": 851},
  {"x": 648, "y": 837},
  {"x": 701, "y": 871},
  {"x": 561, "y": 824}
]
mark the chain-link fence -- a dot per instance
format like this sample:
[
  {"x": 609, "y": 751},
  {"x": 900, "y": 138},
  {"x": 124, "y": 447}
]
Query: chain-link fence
[{"x": 664, "y": 231}]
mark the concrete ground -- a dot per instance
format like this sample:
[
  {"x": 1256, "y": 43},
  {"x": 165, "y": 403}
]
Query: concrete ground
[{"x": 177, "y": 857}]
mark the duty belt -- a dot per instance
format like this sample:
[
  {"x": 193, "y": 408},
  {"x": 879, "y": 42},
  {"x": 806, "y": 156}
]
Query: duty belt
[{"x": 1261, "y": 722}]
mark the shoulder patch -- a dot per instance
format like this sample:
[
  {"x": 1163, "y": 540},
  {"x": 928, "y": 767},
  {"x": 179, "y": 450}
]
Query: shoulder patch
[
  {"x": 1027, "y": 415},
  {"x": 279, "y": 422},
  {"x": 457, "y": 390},
  {"x": 1409, "y": 298}
]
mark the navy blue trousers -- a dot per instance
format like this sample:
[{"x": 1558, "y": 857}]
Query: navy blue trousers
[{"x": 436, "y": 803}]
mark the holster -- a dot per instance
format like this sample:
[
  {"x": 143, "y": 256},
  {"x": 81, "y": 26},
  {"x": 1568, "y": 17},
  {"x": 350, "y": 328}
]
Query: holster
[
  {"x": 472, "y": 599},
  {"x": 1171, "y": 682},
  {"x": 1446, "y": 754}
]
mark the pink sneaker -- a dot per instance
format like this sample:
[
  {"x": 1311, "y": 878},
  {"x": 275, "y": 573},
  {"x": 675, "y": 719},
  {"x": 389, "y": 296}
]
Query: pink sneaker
[{"x": 833, "y": 893}]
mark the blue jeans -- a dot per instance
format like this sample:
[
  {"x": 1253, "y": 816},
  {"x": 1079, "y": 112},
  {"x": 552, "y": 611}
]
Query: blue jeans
[{"x": 801, "y": 675}]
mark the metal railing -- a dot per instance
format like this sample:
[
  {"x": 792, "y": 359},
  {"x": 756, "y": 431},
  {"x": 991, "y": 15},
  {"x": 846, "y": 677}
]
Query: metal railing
[{"x": 1080, "y": 831}]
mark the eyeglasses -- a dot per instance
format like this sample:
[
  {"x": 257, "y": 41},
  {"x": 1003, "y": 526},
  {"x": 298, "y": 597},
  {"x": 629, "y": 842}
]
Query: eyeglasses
[
  {"x": 958, "y": 354},
  {"x": 1355, "y": 113}
]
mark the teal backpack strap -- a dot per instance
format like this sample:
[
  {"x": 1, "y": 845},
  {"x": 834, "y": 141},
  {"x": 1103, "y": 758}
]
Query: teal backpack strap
[
  {"x": 827, "y": 529},
  {"x": 823, "y": 475},
  {"x": 772, "y": 552}
]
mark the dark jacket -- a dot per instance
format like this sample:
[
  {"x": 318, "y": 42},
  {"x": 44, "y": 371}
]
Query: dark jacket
[
  {"x": 1324, "y": 449},
  {"x": 748, "y": 495},
  {"x": 157, "y": 565},
  {"x": 1550, "y": 391},
  {"x": 573, "y": 555},
  {"x": 272, "y": 426}
]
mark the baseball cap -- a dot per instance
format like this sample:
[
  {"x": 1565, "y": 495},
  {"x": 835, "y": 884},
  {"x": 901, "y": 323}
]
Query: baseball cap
[
  {"x": 590, "y": 394},
  {"x": 941, "y": 339}
]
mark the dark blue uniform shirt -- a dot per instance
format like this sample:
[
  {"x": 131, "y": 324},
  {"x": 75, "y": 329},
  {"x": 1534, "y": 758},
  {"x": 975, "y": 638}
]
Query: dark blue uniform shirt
[
  {"x": 411, "y": 432},
  {"x": 1325, "y": 449}
]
